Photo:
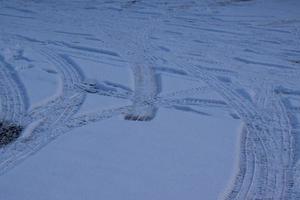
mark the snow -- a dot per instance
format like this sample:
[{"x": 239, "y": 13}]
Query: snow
[
  {"x": 150, "y": 99},
  {"x": 131, "y": 161}
]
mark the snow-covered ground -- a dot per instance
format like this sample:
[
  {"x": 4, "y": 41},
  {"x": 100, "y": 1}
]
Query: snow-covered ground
[{"x": 151, "y": 100}]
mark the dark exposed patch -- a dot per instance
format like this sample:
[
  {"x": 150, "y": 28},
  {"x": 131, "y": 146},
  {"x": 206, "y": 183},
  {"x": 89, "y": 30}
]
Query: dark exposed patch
[
  {"x": 138, "y": 118},
  {"x": 9, "y": 132}
]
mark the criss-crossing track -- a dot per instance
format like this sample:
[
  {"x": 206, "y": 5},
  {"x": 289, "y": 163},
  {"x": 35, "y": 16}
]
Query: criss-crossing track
[{"x": 250, "y": 60}]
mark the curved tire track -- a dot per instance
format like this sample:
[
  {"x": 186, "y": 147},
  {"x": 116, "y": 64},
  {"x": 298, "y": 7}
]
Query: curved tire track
[
  {"x": 51, "y": 116},
  {"x": 269, "y": 173}
]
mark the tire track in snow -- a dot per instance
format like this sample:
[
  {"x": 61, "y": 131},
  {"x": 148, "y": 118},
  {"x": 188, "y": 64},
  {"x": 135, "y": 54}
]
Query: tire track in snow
[
  {"x": 135, "y": 47},
  {"x": 14, "y": 95},
  {"x": 146, "y": 81},
  {"x": 50, "y": 117},
  {"x": 269, "y": 166},
  {"x": 165, "y": 101},
  {"x": 71, "y": 76},
  {"x": 272, "y": 103},
  {"x": 263, "y": 169},
  {"x": 13, "y": 104},
  {"x": 248, "y": 112},
  {"x": 145, "y": 86}
]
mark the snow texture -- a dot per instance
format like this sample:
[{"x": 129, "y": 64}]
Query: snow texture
[{"x": 161, "y": 99}]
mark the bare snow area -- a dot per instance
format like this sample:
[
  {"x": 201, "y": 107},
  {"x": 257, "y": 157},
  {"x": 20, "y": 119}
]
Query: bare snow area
[
  {"x": 118, "y": 159},
  {"x": 151, "y": 100}
]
